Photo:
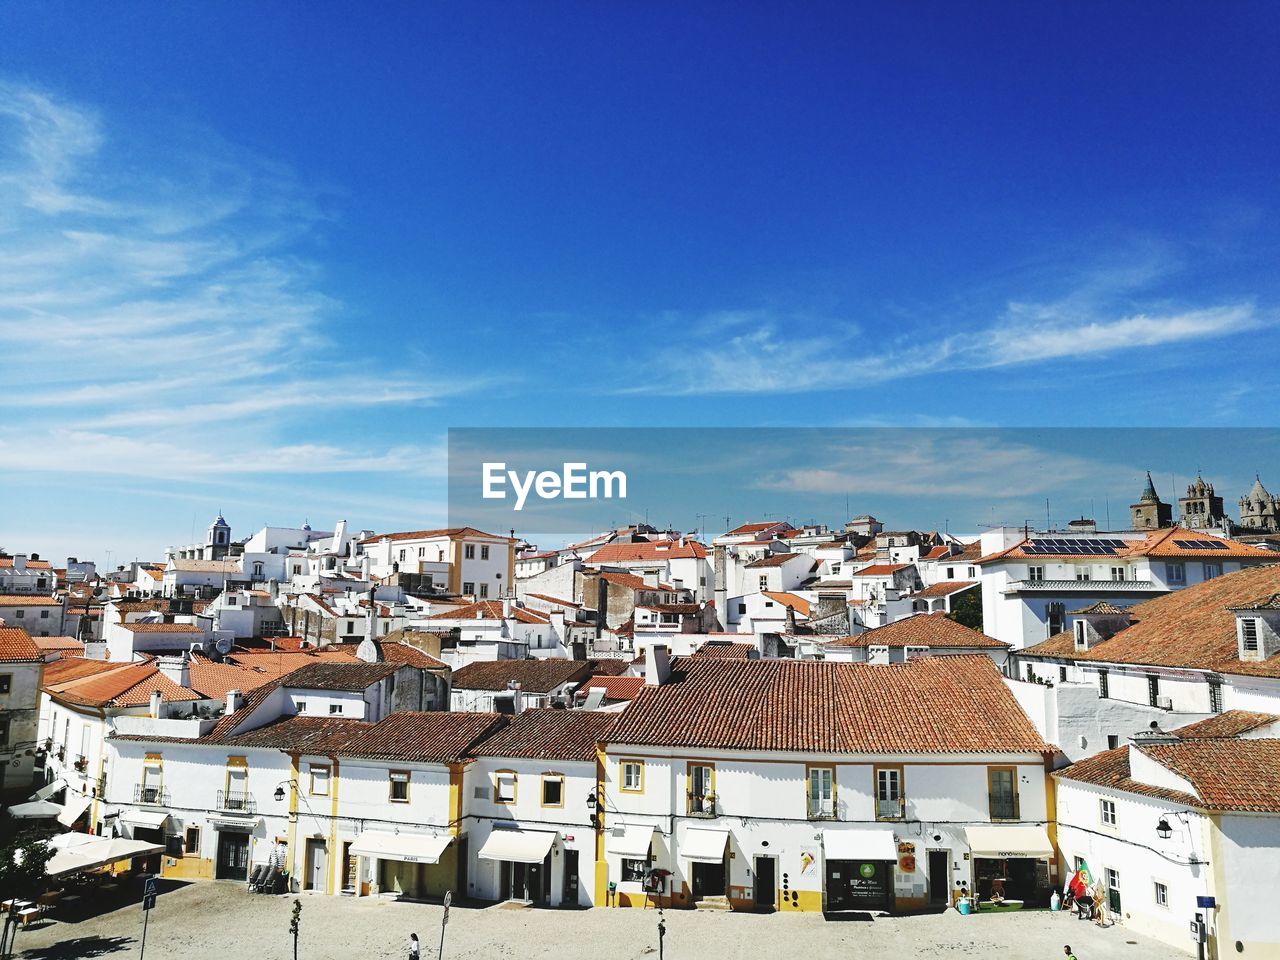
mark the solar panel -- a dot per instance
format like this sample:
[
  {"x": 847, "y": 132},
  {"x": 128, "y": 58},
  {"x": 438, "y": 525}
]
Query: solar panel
[{"x": 1200, "y": 544}]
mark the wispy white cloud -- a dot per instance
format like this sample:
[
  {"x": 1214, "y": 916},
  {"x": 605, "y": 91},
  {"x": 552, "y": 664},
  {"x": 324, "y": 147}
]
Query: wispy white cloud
[
  {"x": 762, "y": 351},
  {"x": 148, "y": 293}
]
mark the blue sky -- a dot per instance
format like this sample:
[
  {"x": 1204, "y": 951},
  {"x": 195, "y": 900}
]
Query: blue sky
[{"x": 260, "y": 256}]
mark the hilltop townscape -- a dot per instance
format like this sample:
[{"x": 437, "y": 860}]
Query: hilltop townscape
[{"x": 784, "y": 718}]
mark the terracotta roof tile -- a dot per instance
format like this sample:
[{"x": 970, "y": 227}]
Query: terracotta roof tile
[
  {"x": 1111, "y": 769},
  {"x": 954, "y": 704},
  {"x": 353, "y": 676},
  {"x": 724, "y": 650},
  {"x": 16, "y": 646},
  {"x": 923, "y": 630},
  {"x": 450, "y": 532},
  {"x": 28, "y": 600},
  {"x": 650, "y": 550},
  {"x": 773, "y": 560},
  {"x": 614, "y": 687},
  {"x": 549, "y": 734},
  {"x": 1232, "y": 723},
  {"x": 534, "y": 676},
  {"x": 435, "y": 737},
  {"x": 944, "y": 588}
]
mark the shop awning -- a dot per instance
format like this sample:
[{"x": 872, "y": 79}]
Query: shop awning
[
  {"x": 98, "y": 852},
  {"x": 704, "y": 846},
  {"x": 520, "y": 846},
  {"x": 859, "y": 844},
  {"x": 49, "y": 789},
  {"x": 35, "y": 810},
  {"x": 632, "y": 841},
  {"x": 151, "y": 819},
  {"x": 409, "y": 847},
  {"x": 1009, "y": 842},
  {"x": 75, "y": 807}
]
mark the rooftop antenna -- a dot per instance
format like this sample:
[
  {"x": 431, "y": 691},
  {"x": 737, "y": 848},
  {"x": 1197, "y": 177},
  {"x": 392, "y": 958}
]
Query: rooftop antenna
[
  {"x": 1107, "y": 501},
  {"x": 1048, "y": 524}
]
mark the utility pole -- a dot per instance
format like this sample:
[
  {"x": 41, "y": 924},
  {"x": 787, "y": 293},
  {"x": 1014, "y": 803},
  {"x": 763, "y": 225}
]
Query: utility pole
[{"x": 444, "y": 922}]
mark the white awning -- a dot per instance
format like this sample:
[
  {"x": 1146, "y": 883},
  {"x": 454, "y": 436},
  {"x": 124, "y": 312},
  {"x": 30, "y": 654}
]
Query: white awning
[
  {"x": 49, "y": 789},
  {"x": 75, "y": 807},
  {"x": 1009, "y": 842},
  {"x": 631, "y": 841},
  {"x": 35, "y": 810},
  {"x": 859, "y": 843},
  {"x": 409, "y": 847},
  {"x": 98, "y": 852},
  {"x": 151, "y": 819},
  {"x": 520, "y": 846},
  {"x": 705, "y": 846}
]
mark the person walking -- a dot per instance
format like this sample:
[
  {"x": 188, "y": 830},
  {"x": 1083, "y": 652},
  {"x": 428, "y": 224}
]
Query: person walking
[
  {"x": 414, "y": 949},
  {"x": 1067, "y": 950}
]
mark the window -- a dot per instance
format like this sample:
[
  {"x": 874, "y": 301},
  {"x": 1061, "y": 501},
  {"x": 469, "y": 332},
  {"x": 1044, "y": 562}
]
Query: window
[
  {"x": 469, "y": 551},
  {"x": 422, "y": 552},
  {"x": 821, "y": 792},
  {"x": 552, "y": 790},
  {"x": 335, "y": 708},
  {"x": 173, "y": 845},
  {"x": 1161, "y": 894},
  {"x": 297, "y": 569},
  {"x": 1113, "y": 892},
  {"x": 6, "y": 682},
  {"x": 20, "y": 614},
  {"x": 889, "y": 793},
  {"x": 1215, "y": 697},
  {"x": 319, "y": 780},
  {"x": 1107, "y": 812},
  {"x": 764, "y": 581},
  {"x": 1002, "y": 793},
  {"x": 351, "y": 627},
  {"x": 1056, "y": 616},
  {"x": 1082, "y": 573},
  {"x": 1212, "y": 570},
  {"x": 633, "y": 776},
  {"x": 231, "y": 599},
  {"x": 484, "y": 553},
  {"x": 504, "y": 787},
  {"x": 44, "y": 614},
  {"x": 302, "y": 706},
  {"x": 1153, "y": 689},
  {"x": 1082, "y": 639},
  {"x": 1175, "y": 573},
  {"x": 742, "y": 608},
  {"x": 1117, "y": 573},
  {"x": 1248, "y": 635},
  {"x": 4, "y": 731},
  {"x": 633, "y": 871},
  {"x": 1113, "y": 741},
  {"x": 484, "y": 590},
  {"x": 702, "y": 788},
  {"x": 399, "y": 786},
  {"x": 1035, "y": 574},
  {"x": 402, "y": 556},
  {"x": 1104, "y": 687},
  {"x": 468, "y": 586},
  {"x": 1062, "y": 674},
  {"x": 191, "y": 841}
]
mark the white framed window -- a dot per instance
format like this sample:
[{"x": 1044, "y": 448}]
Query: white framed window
[
  {"x": 468, "y": 586},
  {"x": 633, "y": 776},
  {"x": 484, "y": 590},
  {"x": 1161, "y": 894},
  {"x": 1249, "y": 634},
  {"x": 821, "y": 792},
  {"x": 1175, "y": 573},
  {"x": 484, "y": 553},
  {"x": 1212, "y": 570},
  {"x": 1035, "y": 574},
  {"x": 764, "y": 581},
  {"x": 504, "y": 787},
  {"x": 1107, "y": 812},
  {"x": 319, "y": 780},
  {"x": 399, "y": 785},
  {"x": 335, "y": 708},
  {"x": 469, "y": 551},
  {"x": 1117, "y": 573}
]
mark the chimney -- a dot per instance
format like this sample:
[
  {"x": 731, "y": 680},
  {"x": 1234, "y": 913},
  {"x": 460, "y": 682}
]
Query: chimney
[
  {"x": 506, "y": 606},
  {"x": 233, "y": 701},
  {"x": 19, "y": 561},
  {"x": 657, "y": 665},
  {"x": 176, "y": 669},
  {"x": 650, "y": 578},
  {"x": 155, "y": 704}
]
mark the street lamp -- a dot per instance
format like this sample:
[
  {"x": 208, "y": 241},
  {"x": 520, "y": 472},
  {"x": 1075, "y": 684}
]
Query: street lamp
[
  {"x": 279, "y": 794},
  {"x": 1163, "y": 830}
]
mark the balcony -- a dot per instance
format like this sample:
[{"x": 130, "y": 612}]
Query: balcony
[
  {"x": 1136, "y": 587},
  {"x": 702, "y": 806},
  {"x": 1004, "y": 808},
  {"x": 894, "y": 809},
  {"x": 821, "y": 809},
  {"x": 150, "y": 795},
  {"x": 236, "y": 801}
]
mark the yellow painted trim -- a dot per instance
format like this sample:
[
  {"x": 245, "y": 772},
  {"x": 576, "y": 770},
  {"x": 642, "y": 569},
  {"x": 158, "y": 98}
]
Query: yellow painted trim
[
  {"x": 455, "y": 798},
  {"x": 515, "y": 787},
  {"x": 622, "y": 774},
  {"x": 601, "y": 897},
  {"x": 542, "y": 796},
  {"x": 293, "y": 816},
  {"x": 335, "y": 856},
  {"x": 329, "y": 787},
  {"x": 688, "y": 782}
]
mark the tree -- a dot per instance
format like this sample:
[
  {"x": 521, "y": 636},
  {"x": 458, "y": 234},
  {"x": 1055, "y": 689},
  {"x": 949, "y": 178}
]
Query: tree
[
  {"x": 295, "y": 921},
  {"x": 23, "y": 858},
  {"x": 966, "y": 609}
]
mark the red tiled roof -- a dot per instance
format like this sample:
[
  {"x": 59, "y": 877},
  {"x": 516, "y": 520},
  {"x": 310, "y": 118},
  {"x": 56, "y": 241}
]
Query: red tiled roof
[
  {"x": 614, "y": 687},
  {"x": 300, "y": 734},
  {"x": 923, "y": 630},
  {"x": 6, "y": 562},
  {"x": 632, "y": 581},
  {"x": 435, "y": 737},
  {"x": 534, "y": 676},
  {"x": 1232, "y": 723},
  {"x": 28, "y": 600},
  {"x": 555, "y": 600},
  {"x": 790, "y": 600},
  {"x": 773, "y": 560},
  {"x": 549, "y": 734},
  {"x": 1192, "y": 628},
  {"x": 16, "y": 646},
  {"x": 1158, "y": 543},
  {"x": 723, "y": 650},
  {"x": 491, "y": 610},
  {"x": 957, "y": 704},
  {"x": 650, "y": 550},
  {"x": 754, "y": 528},
  {"x": 1111, "y": 769},
  {"x": 50, "y": 644},
  {"x": 452, "y": 533},
  {"x": 944, "y": 589},
  {"x": 119, "y": 685},
  {"x": 353, "y": 676},
  {"x": 162, "y": 628},
  {"x": 879, "y": 570}
]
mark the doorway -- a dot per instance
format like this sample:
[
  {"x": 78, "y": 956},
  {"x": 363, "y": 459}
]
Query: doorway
[
  {"x": 939, "y": 878},
  {"x": 317, "y": 864},
  {"x": 524, "y": 881},
  {"x": 233, "y": 856},
  {"x": 708, "y": 879},
  {"x": 766, "y": 883},
  {"x": 570, "y": 897}
]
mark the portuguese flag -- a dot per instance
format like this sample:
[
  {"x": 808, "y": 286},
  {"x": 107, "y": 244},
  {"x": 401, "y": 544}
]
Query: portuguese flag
[{"x": 1081, "y": 881}]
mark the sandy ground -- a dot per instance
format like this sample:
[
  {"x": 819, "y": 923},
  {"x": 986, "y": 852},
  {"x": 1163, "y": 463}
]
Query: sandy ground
[{"x": 214, "y": 920}]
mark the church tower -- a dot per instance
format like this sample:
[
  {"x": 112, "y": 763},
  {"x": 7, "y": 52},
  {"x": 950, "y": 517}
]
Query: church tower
[
  {"x": 1260, "y": 510},
  {"x": 1201, "y": 508},
  {"x": 1150, "y": 512},
  {"x": 217, "y": 540}
]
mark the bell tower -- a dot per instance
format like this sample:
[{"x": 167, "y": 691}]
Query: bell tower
[
  {"x": 1201, "y": 508},
  {"x": 217, "y": 540},
  {"x": 1150, "y": 512}
]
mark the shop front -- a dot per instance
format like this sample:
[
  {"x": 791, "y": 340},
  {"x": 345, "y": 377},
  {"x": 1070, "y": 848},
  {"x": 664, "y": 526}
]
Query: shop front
[
  {"x": 858, "y": 869},
  {"x": 405, "y": 865},
  {"x": 523, "y": 859},
  {"x": 705, "y": 852},
  {"x": 1012, "y": 866},
  {"x": 630, "y": 849}
]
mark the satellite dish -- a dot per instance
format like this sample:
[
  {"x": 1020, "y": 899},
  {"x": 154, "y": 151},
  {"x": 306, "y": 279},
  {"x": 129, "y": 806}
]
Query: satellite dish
[{"x": 223, "y": 646}]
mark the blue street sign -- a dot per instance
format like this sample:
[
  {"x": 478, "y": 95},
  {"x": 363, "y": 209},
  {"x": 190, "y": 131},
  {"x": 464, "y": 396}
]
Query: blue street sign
[
  {"x": 149, "y": 901},
  {"x": 1206, "y": 903}
]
